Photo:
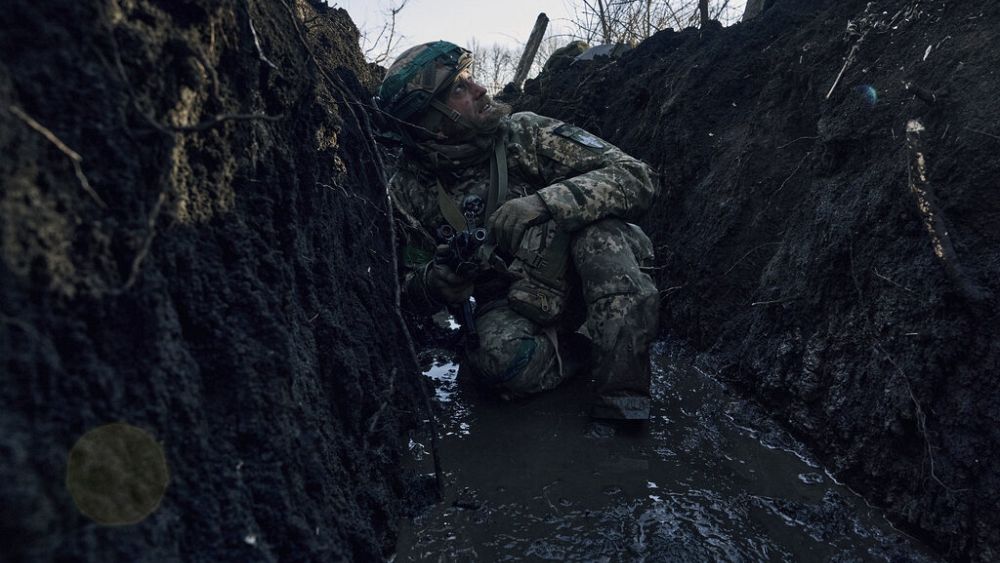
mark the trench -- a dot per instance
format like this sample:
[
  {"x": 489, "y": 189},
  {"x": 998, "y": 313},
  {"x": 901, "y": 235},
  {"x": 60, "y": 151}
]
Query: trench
[{"x": 710, "y": 478}]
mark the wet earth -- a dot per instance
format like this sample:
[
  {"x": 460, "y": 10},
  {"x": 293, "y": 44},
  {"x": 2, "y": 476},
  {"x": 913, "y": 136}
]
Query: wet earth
[{"x": 710, "y": 478}]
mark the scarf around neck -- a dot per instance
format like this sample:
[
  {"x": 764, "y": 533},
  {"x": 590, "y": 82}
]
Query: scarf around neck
[{"x": 450, "y": 158}]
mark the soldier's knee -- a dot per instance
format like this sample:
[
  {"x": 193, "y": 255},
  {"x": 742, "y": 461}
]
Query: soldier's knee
[
  {"x": 515, "y": 364},
  {"x": 635, "y": 312},
  {"x": 611, "y": 257}
]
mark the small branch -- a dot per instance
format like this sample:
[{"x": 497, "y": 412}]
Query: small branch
[
  {"x": 897, "y": 284},
  {"x": 210, "y": 123},
  {"x": 751, "y": 251},
  {"x": 169, "y": 130},
  {"x": 256, "y": 41},
  {"x": 348, "y": 194},
  {"x": 74, "y": 156},
  {"x": 982, "y": 133},
  {"x": 850, "y": 59},
  {"x": 670, "y": 290},
  {"x": 921, "y": 421},
  {"x": 795, "y": 141},
  {"x": 772, "y": 302},
  {"x": 793, "y": 172},
  {"x": 147, "y": 243}
]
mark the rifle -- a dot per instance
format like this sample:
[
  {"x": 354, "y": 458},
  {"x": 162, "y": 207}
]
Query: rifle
[{"x": 462, "y": 256}]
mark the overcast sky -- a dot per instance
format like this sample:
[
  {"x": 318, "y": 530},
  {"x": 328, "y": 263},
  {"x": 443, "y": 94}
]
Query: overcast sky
[{"x": 506, "y": 22}]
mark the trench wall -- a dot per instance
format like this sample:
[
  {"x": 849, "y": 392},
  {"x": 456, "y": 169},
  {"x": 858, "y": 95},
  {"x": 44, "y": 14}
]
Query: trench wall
[
  {"x": 217, "y": 272},
  {"x": 794, "y": 250}
]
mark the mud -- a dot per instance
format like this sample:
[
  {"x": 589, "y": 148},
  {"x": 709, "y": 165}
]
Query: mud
[
  {"x": 710, "y": 478},
  {"x": 218, "y": 282},
  {"x": 795, "y": 249},
  {"x": 194, "y": 241}
]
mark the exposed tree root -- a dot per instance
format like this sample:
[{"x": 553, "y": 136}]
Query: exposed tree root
[
  {"x": 921, "y": 422},
  {"x": 74, "y": 156},
  {"x": 932, "y": 216}
]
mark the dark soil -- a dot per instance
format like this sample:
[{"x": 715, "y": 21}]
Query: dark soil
[
  {"x": 792, "y": 247},
  {"x": 219, "y": 270},
  {"x": 225, "y": 284}
]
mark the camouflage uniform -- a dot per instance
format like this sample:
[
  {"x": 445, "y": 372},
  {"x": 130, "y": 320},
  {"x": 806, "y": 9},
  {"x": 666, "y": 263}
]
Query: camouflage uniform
[{"x": 590, "y": 188}]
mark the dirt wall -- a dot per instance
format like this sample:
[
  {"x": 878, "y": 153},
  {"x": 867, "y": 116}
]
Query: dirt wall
[
  {"x": 194, "y": 241},
  {"x": 799, "y": 246}
]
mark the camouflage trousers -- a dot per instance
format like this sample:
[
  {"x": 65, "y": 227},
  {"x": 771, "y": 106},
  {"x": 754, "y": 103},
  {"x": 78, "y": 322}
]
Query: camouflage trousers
[{"x": 621, "y": 303}]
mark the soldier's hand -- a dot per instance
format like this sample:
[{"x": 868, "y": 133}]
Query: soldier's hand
[
  {"x": 444, "y": 284},
  {"x": 510, "y": 221}
]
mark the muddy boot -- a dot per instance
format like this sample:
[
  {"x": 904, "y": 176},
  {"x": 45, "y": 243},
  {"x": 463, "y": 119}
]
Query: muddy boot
[
  {"x": 622, "y": 370},
  {"x": 622, "y": 314}
]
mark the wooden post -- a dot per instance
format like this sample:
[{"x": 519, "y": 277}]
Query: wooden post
[
  {"x": 703, "y": 8},
  {"x": 530, "y": 50}
]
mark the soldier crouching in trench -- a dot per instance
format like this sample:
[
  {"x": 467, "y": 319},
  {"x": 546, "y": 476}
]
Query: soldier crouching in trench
[{"x": 541, "y": 207}]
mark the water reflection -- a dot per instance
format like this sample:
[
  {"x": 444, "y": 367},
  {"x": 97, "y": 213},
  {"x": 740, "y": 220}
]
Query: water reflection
[{"x": 710, "y": 479}]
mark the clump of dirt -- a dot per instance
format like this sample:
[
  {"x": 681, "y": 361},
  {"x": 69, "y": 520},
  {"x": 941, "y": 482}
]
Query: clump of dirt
[
  {"x": 829, "y": 229},
  {"x": 194, "y": 241}
]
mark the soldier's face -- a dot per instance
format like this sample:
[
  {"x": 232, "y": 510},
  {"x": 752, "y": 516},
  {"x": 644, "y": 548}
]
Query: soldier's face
[{"x": 472, "y": 102}]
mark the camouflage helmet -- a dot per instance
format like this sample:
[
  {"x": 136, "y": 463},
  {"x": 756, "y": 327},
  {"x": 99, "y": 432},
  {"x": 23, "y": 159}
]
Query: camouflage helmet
[{"x": 418, "y": 75}]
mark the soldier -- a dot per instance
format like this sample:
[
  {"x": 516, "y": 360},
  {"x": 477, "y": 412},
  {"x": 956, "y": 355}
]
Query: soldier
[{"x": 554, "y": 200}]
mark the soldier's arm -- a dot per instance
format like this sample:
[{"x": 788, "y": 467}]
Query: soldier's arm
[
  {"x": 587, "y": 178},
  {"x": 415, "y": 250}
]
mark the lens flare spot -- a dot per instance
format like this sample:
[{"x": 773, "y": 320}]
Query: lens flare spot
[
  {"x": 868, "y": 93},
  {"x": 117, "y": 474}
]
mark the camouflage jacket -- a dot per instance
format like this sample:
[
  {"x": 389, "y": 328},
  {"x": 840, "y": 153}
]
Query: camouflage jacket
[{"x": 580, "y": 177}]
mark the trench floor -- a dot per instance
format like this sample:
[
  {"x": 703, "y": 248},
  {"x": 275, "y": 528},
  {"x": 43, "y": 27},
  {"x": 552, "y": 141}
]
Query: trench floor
[{"x": 709, "y": 478}]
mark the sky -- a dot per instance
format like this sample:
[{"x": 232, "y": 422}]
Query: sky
[
  {"x": 507, "y": 23},
  {"x": 504, "y": 22}
]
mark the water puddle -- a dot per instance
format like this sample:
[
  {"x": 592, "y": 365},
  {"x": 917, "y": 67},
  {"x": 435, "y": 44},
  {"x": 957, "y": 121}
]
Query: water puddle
[{"x": 709, "y": 479}]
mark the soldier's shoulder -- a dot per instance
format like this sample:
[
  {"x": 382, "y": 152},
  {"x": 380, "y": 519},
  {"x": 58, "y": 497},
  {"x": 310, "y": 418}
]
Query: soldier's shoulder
[
  {"x": 531, "y": 120},
  {"x": 529, "y": 128},
  {"x": 552, "y": 131}
]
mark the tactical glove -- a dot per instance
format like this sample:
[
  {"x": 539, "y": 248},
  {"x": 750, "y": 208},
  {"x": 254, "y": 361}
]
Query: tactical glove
[
  {"x": 443, "y": 284},
  {"x": 510, "y": 221}
]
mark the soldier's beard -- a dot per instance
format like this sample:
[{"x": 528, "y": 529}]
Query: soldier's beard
[
  {"x": 483, "y": 121},
  {"x": 490, "y": 117}
]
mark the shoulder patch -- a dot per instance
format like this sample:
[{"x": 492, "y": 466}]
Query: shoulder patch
[{"x": 580, "y": 136}]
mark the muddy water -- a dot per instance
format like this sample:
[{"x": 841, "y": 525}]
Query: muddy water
[{"x": 708, "y": 479}]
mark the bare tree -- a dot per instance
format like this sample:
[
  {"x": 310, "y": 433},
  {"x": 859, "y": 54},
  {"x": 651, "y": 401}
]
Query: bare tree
[
  {"x": 631, "y": 21},
  {"x": 379, "y": 46},
  {"x": 493, "y": 65}
]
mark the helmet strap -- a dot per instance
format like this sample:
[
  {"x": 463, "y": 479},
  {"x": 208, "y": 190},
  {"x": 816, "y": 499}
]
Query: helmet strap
[{"x": 450, "y": 113}]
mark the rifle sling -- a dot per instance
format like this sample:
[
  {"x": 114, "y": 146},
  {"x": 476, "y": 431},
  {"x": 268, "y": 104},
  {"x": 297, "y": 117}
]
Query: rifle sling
[
  {"x": 450, "y": 210},
  {"x": 497, "y": 193},
  {"x": 498, "y": 177}
]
